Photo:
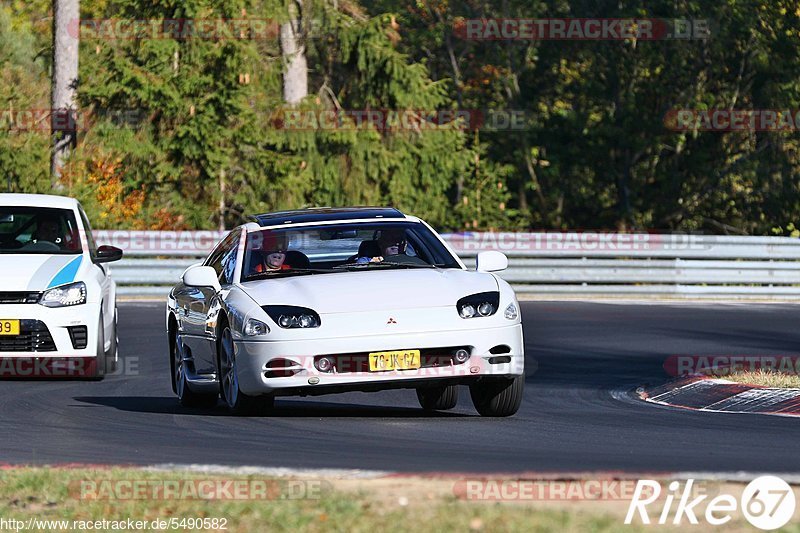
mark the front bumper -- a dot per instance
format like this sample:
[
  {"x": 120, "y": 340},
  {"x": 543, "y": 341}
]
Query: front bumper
[
  {"x": 45, "y": 336},
  {"x": 253, "y": 360}
]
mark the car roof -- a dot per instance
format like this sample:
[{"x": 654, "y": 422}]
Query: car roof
[
  {"x": 37, "y": 200},
  {"x": 326, "y": 214}
]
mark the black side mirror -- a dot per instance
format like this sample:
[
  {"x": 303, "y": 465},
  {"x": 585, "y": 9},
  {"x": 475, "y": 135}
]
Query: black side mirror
[{"x": 107, "y": 254}]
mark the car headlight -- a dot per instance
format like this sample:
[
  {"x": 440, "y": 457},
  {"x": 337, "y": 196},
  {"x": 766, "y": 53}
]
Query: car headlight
[
  {"x": 65, "y": 295},
  {"x": 292, "y": 317},
  {"x": 254, "y": 328},
  {"x": 478, "y": 305},
  {"x": 511, "y": 312}
]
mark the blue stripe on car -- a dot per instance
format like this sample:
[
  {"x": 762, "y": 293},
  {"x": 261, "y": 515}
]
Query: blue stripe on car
[{"x": 66, "y": 274}]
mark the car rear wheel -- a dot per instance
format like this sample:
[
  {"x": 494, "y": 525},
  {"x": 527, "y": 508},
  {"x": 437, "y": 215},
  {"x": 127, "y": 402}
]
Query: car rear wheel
[
  {"x": 238, "y": 402},
  {"x": 438, "y": 398},
  {"x": 497, "y": 396},
  {"x": 186, "y": 396}
]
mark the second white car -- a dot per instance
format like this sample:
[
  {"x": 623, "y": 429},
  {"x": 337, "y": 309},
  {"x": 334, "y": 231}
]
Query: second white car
[{"x": 58, "y": 313}]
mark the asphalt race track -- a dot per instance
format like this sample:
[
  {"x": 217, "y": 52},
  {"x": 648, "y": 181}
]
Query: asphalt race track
[{"x": 574, "y": 417}]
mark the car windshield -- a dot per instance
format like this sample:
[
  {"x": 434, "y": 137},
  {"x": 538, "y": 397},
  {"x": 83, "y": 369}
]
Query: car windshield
[
  {"x": 355, "y": 247},
  {"x": 38, "y": 230}
]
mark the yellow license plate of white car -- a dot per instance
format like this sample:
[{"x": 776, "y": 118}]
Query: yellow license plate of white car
[
  {"x": 399, "y": 360},
  {"x": 9, "y": 327}
]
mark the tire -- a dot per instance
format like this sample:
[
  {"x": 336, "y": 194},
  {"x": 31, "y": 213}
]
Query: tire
[
  {"x": 498, "y": 396},
  {"x": 186, "y": 396},
  {"x": 112, "y": 356},
  {"x": 238, "y": 402},
  {"x": 438, "y": 398},
  {"x": 100, "y": 354}
]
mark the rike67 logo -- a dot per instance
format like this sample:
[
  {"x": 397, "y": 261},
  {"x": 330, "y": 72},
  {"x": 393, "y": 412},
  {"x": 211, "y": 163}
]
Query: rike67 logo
[{"x": 767, "y": 502}]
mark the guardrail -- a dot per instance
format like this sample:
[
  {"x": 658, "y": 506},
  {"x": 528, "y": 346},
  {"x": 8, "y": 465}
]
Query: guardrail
[{"x": 552, "y": 263}]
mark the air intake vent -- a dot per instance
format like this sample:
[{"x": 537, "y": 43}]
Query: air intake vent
[
  {"x": 33, "y": 337},
  {"x": 499, "y": 349},
  {"x": 19, "y": 297},
  {"x": 78, "y": 335}
]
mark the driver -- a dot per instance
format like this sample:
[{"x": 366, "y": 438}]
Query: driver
[
  {"x": 272, "y": 255},
  {"x": 392, "y": 242},
  {"x": 49, "y": 229}
]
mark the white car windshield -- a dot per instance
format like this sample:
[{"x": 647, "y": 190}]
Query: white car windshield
[
  {"x": 38, "y": 230},
  {"x": 343, "y": 248}
]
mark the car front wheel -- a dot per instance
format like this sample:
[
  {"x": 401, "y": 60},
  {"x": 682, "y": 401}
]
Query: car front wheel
[
  {"x": 112, "y": 356},
  {"x": 98, "y": 372},
  {"x": 238, "y": 402},
  {"x": 497, "y": 396}
]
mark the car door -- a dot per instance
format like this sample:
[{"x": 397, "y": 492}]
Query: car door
[{"x": 199, "y": 306}]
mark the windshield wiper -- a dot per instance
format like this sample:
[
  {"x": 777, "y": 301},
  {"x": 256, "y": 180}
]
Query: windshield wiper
[
  {"x": 407, "y": 265},
  {"x": 367, "y": 266},
  {"x": 281, "y": 273}
]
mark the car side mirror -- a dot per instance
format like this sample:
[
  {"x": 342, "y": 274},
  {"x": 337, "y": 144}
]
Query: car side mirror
[
  {"x": 201, "y": 276},
  {"x": 107, "y": 254},
  {"x": 491, "y": 261}
]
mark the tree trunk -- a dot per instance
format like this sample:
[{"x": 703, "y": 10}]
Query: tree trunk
[
  {"x": 222, "y": 200},
  {"x": 293, "y": 48},
  {"x": 66, "y": 14}
]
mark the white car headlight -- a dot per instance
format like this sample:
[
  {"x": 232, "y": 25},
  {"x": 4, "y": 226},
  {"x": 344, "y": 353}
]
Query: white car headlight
[
  {"x": 478, "y": 305},
  {"x": 511, "y": 312},
  {"x": 253, "y": 328},
  {"x": 293, "y": 317},
  {"x": 65, "y": 295}
]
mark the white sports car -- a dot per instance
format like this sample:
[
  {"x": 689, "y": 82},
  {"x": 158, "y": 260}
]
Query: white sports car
[
  {"x": 330, "y": 300},
  {"x": 58, "y": 313}
]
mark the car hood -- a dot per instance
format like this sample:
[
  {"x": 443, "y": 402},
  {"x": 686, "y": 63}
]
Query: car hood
[
  {"x": 349, "y": 292},
  {"x": 37, "y": 272}
]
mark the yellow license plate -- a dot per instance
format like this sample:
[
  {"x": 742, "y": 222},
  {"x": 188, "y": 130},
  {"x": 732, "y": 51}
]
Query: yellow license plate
[
  {"x": 9, "y": 327},
  {"x": 399, "y": 360}
]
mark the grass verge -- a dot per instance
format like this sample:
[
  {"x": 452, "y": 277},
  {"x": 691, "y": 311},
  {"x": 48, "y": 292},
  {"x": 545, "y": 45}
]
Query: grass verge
[{"x": 81, "y": 496}]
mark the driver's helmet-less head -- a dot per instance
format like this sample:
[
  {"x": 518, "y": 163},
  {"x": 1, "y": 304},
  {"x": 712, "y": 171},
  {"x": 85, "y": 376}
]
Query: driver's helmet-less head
[
  {"x": 48, "y": 228},
  {"x": 390, "y": 239}
]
